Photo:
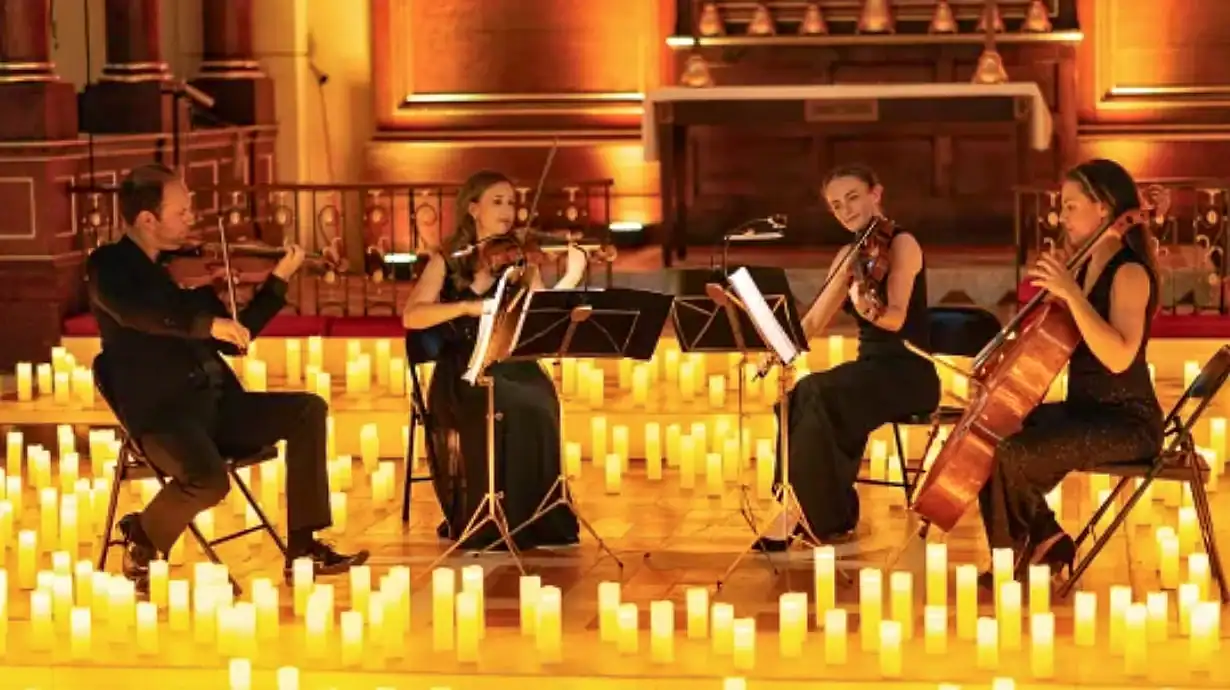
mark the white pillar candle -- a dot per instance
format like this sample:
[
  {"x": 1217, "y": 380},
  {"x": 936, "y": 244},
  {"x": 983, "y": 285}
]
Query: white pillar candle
[
  {"x": 548, "y": 627},
  {"x": 1010, "y": 615},
  {"x": 443, "y": 582},
  {"x": 937, "y": 574},
  {"x": 698, "y": 613},
  {"x": 722, "y": 621},
  {"x": 890, "y": 648},
  {"x": 792, "y": 623},
  {"x": 743, "y": 643},
  {"x": 1085, "y": 615},
  {"x": 1157, "y": 604},
  {"x": 662, "y": 631},
  {"x": 836, "y": 646},
  {"x": 967, "y": 601},
  {"x": 987, "y": 656},
  {"x": 1042, "y": 644},
  {"x": 628, "y": 634},
  {"x": 901, "y": 584},
  {"x": 608, "y": 611},
  {"x": 870, "y": 607}
]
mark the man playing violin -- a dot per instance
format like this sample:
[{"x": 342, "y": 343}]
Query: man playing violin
[
  {"x": 1111, "y": 413},
  {"x": 443, "y": 308},
  {"x": 833, "y": 412},
  {"x": 179, "y": 400}
]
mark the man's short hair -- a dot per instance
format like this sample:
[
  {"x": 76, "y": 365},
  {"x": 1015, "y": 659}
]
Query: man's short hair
[{"x": 142, "y": 190}]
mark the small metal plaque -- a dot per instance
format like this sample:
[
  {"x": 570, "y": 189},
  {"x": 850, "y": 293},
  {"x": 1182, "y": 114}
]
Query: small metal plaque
[{"x": 842, "y": 110}]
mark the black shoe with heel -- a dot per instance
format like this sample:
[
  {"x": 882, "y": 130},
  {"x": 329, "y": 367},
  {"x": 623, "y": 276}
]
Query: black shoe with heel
[
  {"x": 1058, "y": 553},
  {"x": 138, "y": 552}
]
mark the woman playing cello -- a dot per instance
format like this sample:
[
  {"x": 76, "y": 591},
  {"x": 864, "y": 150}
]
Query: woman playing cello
[
  {"x": 833, "y": 412},
  {"x": 1111, "y": 413},
  {"x": 449, "y": 297}
]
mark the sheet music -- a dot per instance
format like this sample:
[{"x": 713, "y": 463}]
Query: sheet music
[
  {"x": 762, "y": 316},
  {"x": 486, "y": 328}
]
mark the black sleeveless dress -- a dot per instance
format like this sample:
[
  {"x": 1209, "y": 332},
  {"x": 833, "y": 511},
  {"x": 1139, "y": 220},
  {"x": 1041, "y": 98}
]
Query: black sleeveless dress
[
  {"x": 1105, "y": 418},
  {"x": 833, "y": 412},
  {"x": 527, "y": 439}
]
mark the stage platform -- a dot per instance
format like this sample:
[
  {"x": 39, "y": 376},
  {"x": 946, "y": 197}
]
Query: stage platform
[{"x": 674, "y": 534}]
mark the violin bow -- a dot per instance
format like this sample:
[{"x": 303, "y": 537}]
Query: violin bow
[
  {"x": 542, "y": 181},
  {"x": 226, "y": 266}
]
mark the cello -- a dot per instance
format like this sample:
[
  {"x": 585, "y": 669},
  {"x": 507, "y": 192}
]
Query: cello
[{"x": 1011, "y": 376}]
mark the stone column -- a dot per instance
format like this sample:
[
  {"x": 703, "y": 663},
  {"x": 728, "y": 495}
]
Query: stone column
[
  {"x": 37, "y": 105},
  {"x": 131, "y": 94},
  {"x": 229, "y": 69}
]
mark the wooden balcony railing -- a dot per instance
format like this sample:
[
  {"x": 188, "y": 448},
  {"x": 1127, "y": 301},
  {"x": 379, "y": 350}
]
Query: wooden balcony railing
[{"x": 1191, "y": 238}]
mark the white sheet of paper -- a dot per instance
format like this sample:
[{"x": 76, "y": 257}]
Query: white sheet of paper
[
  {"x": 762, "y": 316},
  {"x": 486, "y": 327}
]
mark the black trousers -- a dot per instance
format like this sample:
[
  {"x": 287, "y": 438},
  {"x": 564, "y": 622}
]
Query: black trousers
[
  {"x": 1057, "y": 438},
  {"x": 832, "y": 413},
  {"x": 191, "y": 451}
]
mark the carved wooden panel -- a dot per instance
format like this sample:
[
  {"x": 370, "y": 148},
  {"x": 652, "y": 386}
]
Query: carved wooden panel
[{"x": 1149, "y": 59}]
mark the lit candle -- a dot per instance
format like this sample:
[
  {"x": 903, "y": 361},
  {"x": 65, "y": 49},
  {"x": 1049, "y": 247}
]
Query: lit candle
[
  {"x": 870, "y": 607},
  {"x": 360, "y": 587},
  {"x": 837, "y": 349},
  {"x": 628, "y": 629},
  {"x": 40, "y": 620},
  {"x": 722, "y": 621},
  {"x": 698, "y": 613},
  {"x": 687, "y": 380},
  {"x": 608, "y": 611},
  {"x": 1217, "y": 438},
  {"x": 1039, "y": 589},
  {"x": 1168, "y": 557},
  {"x": 369, "y": 446},
  {"x": 597, "y": 387},
  {"x": 316, "y": 625},
  {"x": 1010, "y": 615},
  {"x": 572, "y": 459},
  {"x": 824, "y": 568},
  {"x": 967, "y": 601},
  {"x": 1135, "y": 640},
  {"x": 743, "y": 643},
  {"x": 1157, "y": 604},
  {"x": 27, "y": 563},
  {"x": 80, "y": 642},
  {"x": 288, "y": 678},
  {"x": 935, "y": 629},
  {"x": 303, "y": 572},
  {"x": 62, "y": 389},
  {"x": 662, "y": 631},
  {"x": 937, "y": 574},
  {"x": 1205, "y": 630},
  {"x": 1085, "y": 613},
  {"x": 988, "y": 644},
  {"x": 467, "y": 626},
  {"x": 1188, "y": 533},
  {"x": 890, "y": 648},
  {"x": 653, "y": 451},
  {"x": 531, "y": 586},
  {"x": 548, "y": 627},
  {"x": 612, "y": 473},
  {"x": 835, "y": 644},
  {"x": 687, "y": 462},
  {"x": 1001, "y": 568},
  {"x": 443, "y": 585},
  {"x": 1191, "y": 369},
  {"x": 717, "y": 391},
  {"x": 1198, "y": 573},
  {"x": 239, "y": 673},
  {"x": 382, "y": 362},
  {"x": 1042, "y": 644},
  {"x": 255, "y": 375},
  {"x": 177, "y": 605},
  {"x": 1120, "y": 599},
  {"x": 25, "y": 381},
  {"x": 901, "y": 584},
  {"x": 1189, "y": 596},
  {"x": 294, "y": 362},
  {"x": 640, "y": 386},
  {"x": 472, "y": 580},
  {"x": 147, "y": 628},
  {"x": 792, "y": 623}
]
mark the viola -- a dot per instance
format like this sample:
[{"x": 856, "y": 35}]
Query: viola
[
  {"x": 259, "y": 257},
  {"x": 869, "y": 273},
  {"x": 1011, "y": 375}
]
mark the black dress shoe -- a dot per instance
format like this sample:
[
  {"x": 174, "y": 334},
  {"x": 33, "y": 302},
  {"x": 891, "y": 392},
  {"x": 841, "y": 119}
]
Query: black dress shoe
[
  {"x": 325, "y": 560},
  {"x": 137, "y": 555}
]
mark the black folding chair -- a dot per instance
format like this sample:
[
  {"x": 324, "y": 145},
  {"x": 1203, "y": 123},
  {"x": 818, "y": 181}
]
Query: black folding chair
[
  {"x": 1178, "y": 461},
  {"x": 131, "y": 464},
  {"x": 956, "y": 331},
  {"x": 421, "y": 347}
]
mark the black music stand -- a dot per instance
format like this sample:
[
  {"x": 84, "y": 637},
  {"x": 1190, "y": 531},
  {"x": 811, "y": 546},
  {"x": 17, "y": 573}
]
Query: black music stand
[
  {"x": 706, "y": 320},
  {"x": 491, "y": 346},
  {"x": 785, "y": 348},
  {"x": 600, "y": 324}
]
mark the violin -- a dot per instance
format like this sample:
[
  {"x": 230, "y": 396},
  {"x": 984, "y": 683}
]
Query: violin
[
  {"x": 535, "y": 247},
  {"x": 1012, "y": 375},
  {"x": 213, "y": 254},
  {"x": 869, "y": 274}
]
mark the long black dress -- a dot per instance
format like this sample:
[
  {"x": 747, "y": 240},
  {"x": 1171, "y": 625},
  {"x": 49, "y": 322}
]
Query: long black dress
[
  {"x": 1105, "y": 418},
  {"x": 527, "y": 439},
  {"x": 833, "y": 412}
]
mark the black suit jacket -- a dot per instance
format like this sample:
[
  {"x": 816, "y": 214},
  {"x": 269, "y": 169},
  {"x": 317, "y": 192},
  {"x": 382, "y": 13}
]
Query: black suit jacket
[{"x": 156, "y": 335}]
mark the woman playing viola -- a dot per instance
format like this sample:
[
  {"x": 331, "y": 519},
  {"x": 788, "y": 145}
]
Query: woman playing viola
[
  {"x": 447, "y": 300},
  {"x": 832, "y": 413},
  {"x": 1111, "y": 413}
]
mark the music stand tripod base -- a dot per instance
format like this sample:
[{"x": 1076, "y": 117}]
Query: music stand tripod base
[{"x": 490, "y": 509}]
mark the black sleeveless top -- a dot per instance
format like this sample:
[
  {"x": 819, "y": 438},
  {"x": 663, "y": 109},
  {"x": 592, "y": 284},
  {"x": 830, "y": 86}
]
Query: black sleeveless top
[
  {"x": 874, "y": 341},
  {"x": 1089, "y": 381}
]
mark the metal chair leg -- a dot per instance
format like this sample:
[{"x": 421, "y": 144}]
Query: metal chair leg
[
  {"x": 405, "y": 487},
  {"x": 120, "y": 475},
  {"x": 1103, "y": 539},
  {"x": 903, "y": 465},
  {"x": 266, "y": 524}
]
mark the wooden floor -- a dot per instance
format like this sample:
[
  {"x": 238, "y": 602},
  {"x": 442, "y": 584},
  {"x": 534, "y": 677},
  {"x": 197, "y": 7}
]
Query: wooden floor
[{"x": 666, "y": 540}]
